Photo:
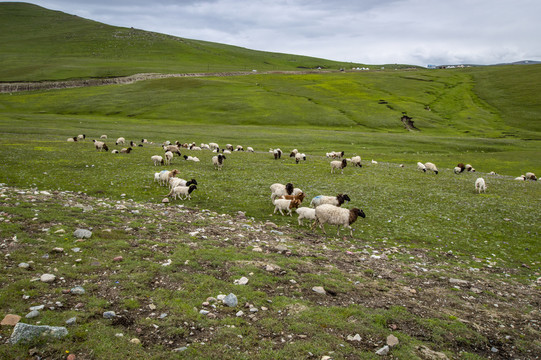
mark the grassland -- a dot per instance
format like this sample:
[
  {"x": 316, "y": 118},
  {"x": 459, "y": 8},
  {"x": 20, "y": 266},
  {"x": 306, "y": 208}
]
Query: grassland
[{"x": 396, "y": 275}]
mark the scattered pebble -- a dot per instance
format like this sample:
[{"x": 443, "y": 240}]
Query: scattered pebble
[
  {"x": 47, "y": 278},
  {"x": 319, "y": 289}
]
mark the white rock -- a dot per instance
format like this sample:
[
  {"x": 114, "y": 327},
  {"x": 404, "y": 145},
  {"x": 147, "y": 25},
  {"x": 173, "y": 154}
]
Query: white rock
[
  {"x": 242, "y": 281},
  {"x": 383, "y": 351},
  {"x": 47, "y": 278},
  {"x": 319, "y": 289}
]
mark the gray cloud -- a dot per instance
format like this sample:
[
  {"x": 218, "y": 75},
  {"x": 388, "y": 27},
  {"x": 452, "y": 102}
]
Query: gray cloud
[{"x": 368, "y": 31}]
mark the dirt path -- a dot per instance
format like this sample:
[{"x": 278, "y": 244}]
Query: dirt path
[{"x": 47, "y": 85}]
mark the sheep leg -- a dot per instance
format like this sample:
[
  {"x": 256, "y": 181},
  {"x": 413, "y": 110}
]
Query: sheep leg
[{"x": 299, "y": 221}]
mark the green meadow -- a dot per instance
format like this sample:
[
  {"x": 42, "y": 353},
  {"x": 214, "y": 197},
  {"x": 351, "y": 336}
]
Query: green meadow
[{"x": 430, "y": 228}]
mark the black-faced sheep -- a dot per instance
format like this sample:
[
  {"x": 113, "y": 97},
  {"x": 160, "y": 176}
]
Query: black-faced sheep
[
  {"x": 299, "y": 157},
  {"x": 72, "y": 139},
  {"x": 338, "y": 165},
  {"x": 120, "y": 141},
  {"x": 173, "y": 148},
  {"x": 157, "y": 160},
  {"x": 277, "y": 154},
  {"x": 126, "y": 150},
  {"x": 182, "y": 192},
  {"x": 356, "y": 161},
  {"x": 218, "y": 161},
  {"x": 100, "y": 145},
  {"x": 421, "y": 166},
  {"x": 174, "y": 182},
  {"x": 480, "y": 185},
  {"x": 81, "y": 137},
  {"x": 430, "y": 166},
  {"x": 250, "y": 149},
  {"x": 279, "y": 190},
  {"x": 337, "y": 200},
  {"x": 530, "y": 176},
  {"x": 334, "y": 215}
]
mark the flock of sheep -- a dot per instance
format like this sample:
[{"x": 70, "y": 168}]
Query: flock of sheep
[{"x": 323, "y": 209}]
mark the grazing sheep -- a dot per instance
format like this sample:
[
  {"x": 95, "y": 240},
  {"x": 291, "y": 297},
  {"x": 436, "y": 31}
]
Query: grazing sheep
[
  {"x": 225, "y": 151},
  {"x": 81, "y": 137},
  {"x": 120, "y": 141},
  {"x": 461, "y": 166},
  {"x": 531, "y": 176},
  {"x": 492, "y": 173},
  {"x": 337, "y": 200},
  {"x": 431, "y": 167},
  {"x": 213, "y": 146},
  {"x": 100, "y": 145},
  {"x": 335, "y": 154},
  {"x": 195, "y": 148},
  {"x": 468, "y": 167},
  {"x": 278, "y": 190},
  {"x": 285, "y": 204},
  {"x": 356, "y": 161},
  {"x": 144, "y": 141},
  {"x": 126, "y": 150},
  {"x": 250, "y": 149},
  {"x": 174, "y": 182},
  {"x": 191, "y": 158},
  {"x": 168, "y": 157},
  {"x": 166, "y": 175},
  {"x": 157, "y": 160},
  {"x": 205, "y": 146},
  {"x": 300, "y": 196},
  {"x": 480, "y": 185},
  {"x": 239, "y": 148},
  {"x": 421, "y": 166},
  {"x": 293, "y": 153},
  {"x": 72, "y": 139},
  {"x": 334, "y": 215},
  {"x": 115, "y": 151},
  {"x": 173, "y": 148},
  {"x": 305, "y": 213},
  {"x": 157, "y": 177},
  {"x": 229, "y": 147},
  {"x": 180, "y": 191},
  {"x": 277, "y": 154},
  {"x": 218, "y": 161},
  {"x": 457, "y": 170},
  {"x": 521, "y": 177},
  {"x": 336, "y": 164},
  {"x": 299, "y": 157},
  {"x": 103, "y": 137}
]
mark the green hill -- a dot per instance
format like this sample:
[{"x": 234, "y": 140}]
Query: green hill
[{"x": 41, "y": 44}]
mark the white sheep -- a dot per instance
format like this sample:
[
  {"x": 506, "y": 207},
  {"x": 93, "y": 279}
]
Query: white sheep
[
  {"x": 457, "y": 170},
  {"x": 157, "y": 177},
  {"x": 530, "y": 176},
  {"x": 166, "y": 175},
  {"x": 115, "y": 151},
  {"x": 279, "y": 190},
  {"x": 430, "y": 166},
  {"x": 174, "y": 182},
  {"x": 480, "y": 185},
  {"x": 182, "y": 192},
  {"x": 335, "y": 154},
  {"x": 103, "y": 137},
  {"x": 293, "y": 153},
  {"x": 305, "y": 213},
  {"x": 218, "y": 161},
  {"x": 191, "y": 158},
  {"x": 334, "y": 215},
  {"x": 239, "y": 148},
  {"x": 337, "y": 200},
  {"x": 72, "y": 139},
  {"x": 374, "y": 162},
  {"x": 336, "y": 164},
  {"x": 120, "y": 141},
  {"x": 421, "y": 166},
  {"x": 277, "y": 154},
  {"x": 356, "y": 161},
  {"x": 468, "y": 167},
  {"x": 173, "y": 148},
  {"x": 168, "y": 157},
  {"x": 229, "y": 147},
  {"x": 157, "y": 160},
  {"x": 521, "y": 177},
  {"x": 299, "y": 156},
  {"x": 81, "y": 137},
  {"x": 126, "y": 150},
  {"x": 250, "y": 149},
  {"x": 100, "y": 145},
  {"x": 213, "y": 146},
  {"x": 285, "y": 204},
  {"x": 225, "y": 151}
]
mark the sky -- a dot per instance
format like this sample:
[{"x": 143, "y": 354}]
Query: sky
[{"x": 415, "y": 32}]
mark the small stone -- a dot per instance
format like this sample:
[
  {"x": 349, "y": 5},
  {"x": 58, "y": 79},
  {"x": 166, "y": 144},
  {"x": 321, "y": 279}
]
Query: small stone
[
  {"x": 319, "y": 289},
  {"x": 135, "y": 341},
  {"x": 37, "y": 307},
  {"x": 109, "y": 314},
  {"x": 10, "y": 320},
  {"x": 230, "y": 300},
  {"x": 165, "y": 200},
  {"x": 76, "y": 249},
  {"x": 60, "y": 231},
  {"x": 152, "y": 307},
  {"x": 24, "y": 265},
  {"x": 211, "y": 316},
  {"x": 257, "y": 249},
  {"x": 82, "y": 234},
  {"x": 118, "y": 258},
  {"x": 47, "y": 278},
  {"x": 239, "y": 313},
  {"x": 26, "y": 333},
  {"x": 383, "y": 351},
  {"x": 71, "y": 357},
  {"x": 271, "y": 225},
  {"x": 32, "y": 314},
  {"x": 254, "y": 309},
  {"x": 220, "y": 297},
  {"x": 494, "y": 350},
  {"x": 58, "y": 249},
  {"x": 458, "y": 281},
  {"x": 71, "y": 321},
  {"x": 392, "y": 340},
  {"x": 180, "y": 349},
  {"x": 292, "y": 281},
  {"x": 204, "y": 312},
  {"x": 242, "y": 281},
  {"x": 78, "y": 290},
  {"x": 356, "y": 337}
]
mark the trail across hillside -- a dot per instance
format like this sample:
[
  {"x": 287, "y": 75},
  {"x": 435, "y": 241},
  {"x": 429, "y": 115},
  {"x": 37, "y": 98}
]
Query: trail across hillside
[{"x": 46, "y": 85}]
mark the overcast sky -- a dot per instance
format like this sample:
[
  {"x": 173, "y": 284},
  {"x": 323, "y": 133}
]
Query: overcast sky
[{"x": 417, "y": 32}]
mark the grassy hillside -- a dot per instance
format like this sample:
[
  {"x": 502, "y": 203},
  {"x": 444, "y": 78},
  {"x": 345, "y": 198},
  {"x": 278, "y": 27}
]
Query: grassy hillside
[{"x": 40, "y": 44}]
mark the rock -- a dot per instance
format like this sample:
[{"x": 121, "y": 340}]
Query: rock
[
  {"x": 165, "y": 200},
  {"x": 152, "y": 307},
  {"x": 257, "y": 249},
  {"x": 71, "y": 357},
  {"x": 135, "y": 341},
  {"x": 78, "y": 290},
  {"x": 319, "y": 289},
  {"x": 10, "y": 320},
  {"x": 203, "y": 312},
  {"x": 60, "y": 231},
  {"x": 37, "y": 307},
  {"x": 428, "y": 354},
  {"x": 82, "y": 234},
  {"x": 357, "y": 337},
  {"x": 392, "y": 340},
  {"x": 58, "y": 249},
  {"x": 270, "y": 225},
  {"x": 494, "y": 349},
  {"x": 239, "y": 313},
  {"x": 25, "y": 333},
  {"x": 71, "y": 321},
  {"x": 231, "y": 300},
  {"x": 242, "y": 281},
  {"x": 180, "y": 349},
  {"x": 458, "y": 281},
  {"x": 118, "y": 258},
  {"x": 383, "y": 351},
  {"x": 281, "y": 248},
  {"x": 109, "y": 314},
  {"x": 32, "y": 314},
  {"x": 24, "y": 265},
  {"x": 47, "y": 278}
]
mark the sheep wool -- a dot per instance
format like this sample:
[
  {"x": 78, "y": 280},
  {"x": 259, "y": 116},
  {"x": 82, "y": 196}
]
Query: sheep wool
[
  {"x": 356, "y": 161},
  {"x": 334, "y": 215},
  {"x": 480, "y": 185},
  {"x": 336, "y": 164},
  {"x": 157, "y": 160},
  {"x": 305, "y": 213},
  {"x": 337, "y": 200},
  {"x": 182, "y": 192},
  {"x": 218, "y": 161},
  {"x": 430, "y": 166},
  {"x": 421, "y": 166}
]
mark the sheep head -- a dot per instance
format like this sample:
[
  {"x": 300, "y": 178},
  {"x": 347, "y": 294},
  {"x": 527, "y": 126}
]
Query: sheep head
[
  {"x": 289, "y": 188},
  {"x": 354, "y": 214}
]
